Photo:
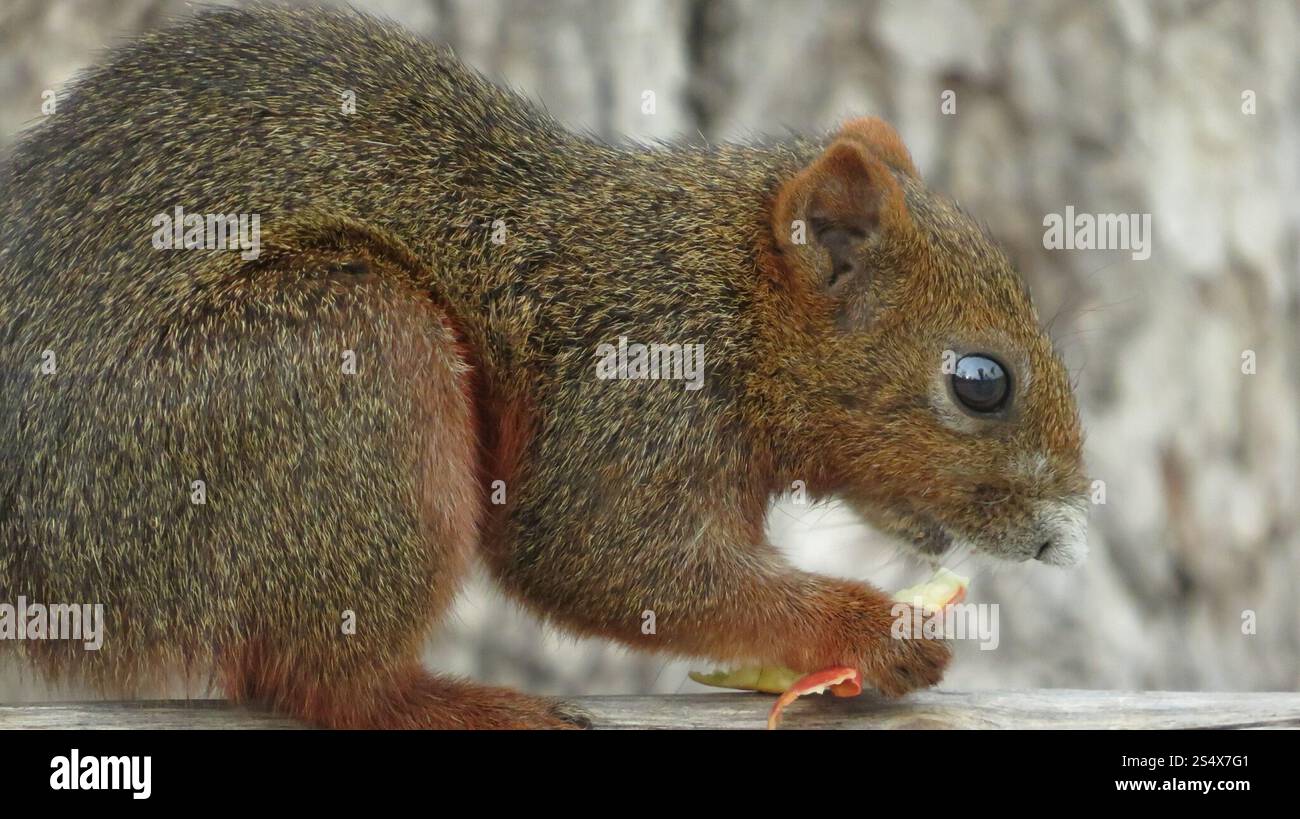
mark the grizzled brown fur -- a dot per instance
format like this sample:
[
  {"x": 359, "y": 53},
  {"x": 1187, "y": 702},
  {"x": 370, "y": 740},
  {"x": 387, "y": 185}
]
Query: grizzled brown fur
[{"x": 369, "y": 492}]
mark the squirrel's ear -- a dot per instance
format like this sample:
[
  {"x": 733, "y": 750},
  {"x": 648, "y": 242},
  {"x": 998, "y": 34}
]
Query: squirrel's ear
[
  {"x": 880, "y": 138},
  {"x": 826, "y": 217}
]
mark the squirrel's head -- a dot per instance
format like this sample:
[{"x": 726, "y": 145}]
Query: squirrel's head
[{"x": 917, "y": 382}]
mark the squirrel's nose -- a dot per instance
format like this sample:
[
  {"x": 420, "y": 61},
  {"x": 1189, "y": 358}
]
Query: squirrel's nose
[
  {"x": 1060, "y": 554},
  {"x": 1064, "y": 527}
]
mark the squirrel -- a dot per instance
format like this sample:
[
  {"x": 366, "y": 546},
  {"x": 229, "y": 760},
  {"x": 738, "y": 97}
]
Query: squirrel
[{"x": 240, "y": 453}]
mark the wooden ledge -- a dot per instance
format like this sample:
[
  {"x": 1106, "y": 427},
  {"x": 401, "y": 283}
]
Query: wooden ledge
[{"x": 1041, "y": 708}]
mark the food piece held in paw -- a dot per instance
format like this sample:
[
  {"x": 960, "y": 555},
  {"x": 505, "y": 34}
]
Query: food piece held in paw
[
  {"x": 841, "y": 680},
  {"x": 944, "y": 588},
  {"x": 770, "y": 679}
]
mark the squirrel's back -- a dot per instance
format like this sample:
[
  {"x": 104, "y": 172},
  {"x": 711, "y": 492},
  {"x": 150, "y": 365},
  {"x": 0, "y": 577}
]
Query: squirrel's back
[
  {"x": 266, "y": 111},
  {"x": 279, "y": 113}
]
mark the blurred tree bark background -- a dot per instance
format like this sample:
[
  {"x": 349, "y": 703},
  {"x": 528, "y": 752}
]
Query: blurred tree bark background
[{"x": 1186, "y": 110}]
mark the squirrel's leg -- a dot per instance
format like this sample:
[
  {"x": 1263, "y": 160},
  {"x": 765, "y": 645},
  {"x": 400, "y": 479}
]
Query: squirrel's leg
[
  {"x": 714, "y": 594},
  {"x": 391, "y": 696},
  {"x": 388, "y": 508},
  {"x": 384, "y": 499}
]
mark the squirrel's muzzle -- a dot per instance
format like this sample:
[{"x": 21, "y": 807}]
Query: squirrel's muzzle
[{"x": 1062, "y": 533}]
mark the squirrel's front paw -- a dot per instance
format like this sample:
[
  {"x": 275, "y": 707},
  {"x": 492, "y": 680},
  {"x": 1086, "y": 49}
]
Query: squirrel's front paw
[{"x": 900, "y": 665}]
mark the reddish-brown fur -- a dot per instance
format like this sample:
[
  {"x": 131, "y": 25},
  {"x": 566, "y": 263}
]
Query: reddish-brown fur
[
  {"x": 365, "y": 494},
  {"x": 880, "y": 137}
]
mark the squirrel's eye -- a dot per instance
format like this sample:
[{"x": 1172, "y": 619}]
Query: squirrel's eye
[{"x": 980, "y": 383}]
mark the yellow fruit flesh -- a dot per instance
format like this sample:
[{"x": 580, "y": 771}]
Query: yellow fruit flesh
[{"x": 940, "y": 590}]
